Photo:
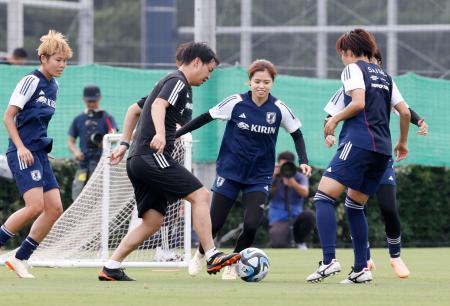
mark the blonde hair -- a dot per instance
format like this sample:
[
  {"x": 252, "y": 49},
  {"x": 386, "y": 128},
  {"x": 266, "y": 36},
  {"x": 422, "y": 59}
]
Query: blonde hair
[{"x": 52, "y": 43}]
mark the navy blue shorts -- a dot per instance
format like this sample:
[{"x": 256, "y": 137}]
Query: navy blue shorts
[
  {"x": 389, "y": 174},
  {"x": 357, "y": 168},
  {"x": 39, "y": 174},
  {"x": 230, "y": 188}
]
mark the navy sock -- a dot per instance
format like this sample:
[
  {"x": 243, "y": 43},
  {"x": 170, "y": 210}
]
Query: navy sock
[
  {"x": 326, "y": 225},
  {"x": 359, "y": 231},
  {"x": 5, "y": 235},
  {"x": 26, "y": 248},
  {"x": 394, "y": 245}
]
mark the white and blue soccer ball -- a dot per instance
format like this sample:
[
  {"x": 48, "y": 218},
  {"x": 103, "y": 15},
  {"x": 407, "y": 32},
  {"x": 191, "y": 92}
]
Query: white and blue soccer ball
[{"x": 253, "y": 265}]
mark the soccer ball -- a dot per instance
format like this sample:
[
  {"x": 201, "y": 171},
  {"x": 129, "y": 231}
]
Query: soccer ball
[{"x": 253, "y": 265}]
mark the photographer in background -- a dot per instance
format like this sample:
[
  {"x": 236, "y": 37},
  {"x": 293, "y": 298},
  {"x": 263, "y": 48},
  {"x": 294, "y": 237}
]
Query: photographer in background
[
  {"x": 289, "y": 223},
  {"x": 18, "y": 57},
  {"x": 90, "y": 126}
]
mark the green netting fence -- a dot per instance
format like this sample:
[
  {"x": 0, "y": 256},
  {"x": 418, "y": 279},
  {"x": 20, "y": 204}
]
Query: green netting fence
[{"x": 306, "y": 96}]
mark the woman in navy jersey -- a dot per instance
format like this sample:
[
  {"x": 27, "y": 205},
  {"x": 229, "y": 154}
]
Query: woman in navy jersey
[
  {"x": 386, "y": 193},
  {"x": 247, "y": 154},
  {"x": 27, "y": 116},
  {"x": 386, "y": 198},
  {"x": 363, "y": 153}
]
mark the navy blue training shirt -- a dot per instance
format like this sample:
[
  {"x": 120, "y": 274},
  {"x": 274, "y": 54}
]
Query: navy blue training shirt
[
  {"x": 36, "y": 98},
  {"x": 247, "y": 152},
  {"x": 369, "y": 129}
]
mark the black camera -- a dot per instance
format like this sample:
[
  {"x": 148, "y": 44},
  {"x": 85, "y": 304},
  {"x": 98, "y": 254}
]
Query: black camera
[
  {"x": 96, "y": 138},
  {"x": 288, "y": 169},
  {"x": 93, "y": 137}
]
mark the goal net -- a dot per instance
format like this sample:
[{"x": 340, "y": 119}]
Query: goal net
[{"x": 105, "y": 211}]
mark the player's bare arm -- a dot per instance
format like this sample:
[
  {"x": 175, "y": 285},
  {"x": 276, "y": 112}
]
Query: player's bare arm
[
  {"x": 352, "y": 109},
  {"x": 129, "y": 124},
  {"x": 401, "y": 148},
  {"x": 330, "y": 140},
  {"x": 23, "y": 153}
]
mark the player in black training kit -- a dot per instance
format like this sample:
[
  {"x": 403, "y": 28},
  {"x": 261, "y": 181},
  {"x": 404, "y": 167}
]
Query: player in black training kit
[{"x": 156, "y": 177}]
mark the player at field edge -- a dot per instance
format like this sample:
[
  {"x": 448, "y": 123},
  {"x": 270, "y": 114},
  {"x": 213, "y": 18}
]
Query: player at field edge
[
  {"x": 363, "y": 153},
  {"x": 246, "y": 158},
  {"x": 156, "y": 177},
  {"x": 27, "y": 116},
  {"x": 386, "y": 193}
]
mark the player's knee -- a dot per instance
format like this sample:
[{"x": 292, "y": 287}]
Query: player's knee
[
  {"x": 33, "y": 211},
  {"x": 154, "y": 224},
  {"x": 357, "y": 196},
  {"x": 55, "y": 212},
  {"x": 200, "y": 197},
  {"x": 152, "y": 220}
]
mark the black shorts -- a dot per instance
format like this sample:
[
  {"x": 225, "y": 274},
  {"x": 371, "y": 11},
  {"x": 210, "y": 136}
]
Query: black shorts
[{"x": 157, "y": 180}]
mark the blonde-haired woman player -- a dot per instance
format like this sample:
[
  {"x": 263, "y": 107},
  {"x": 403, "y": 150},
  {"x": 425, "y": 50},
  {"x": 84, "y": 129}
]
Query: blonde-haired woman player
[{"x": 27, "y": 116}]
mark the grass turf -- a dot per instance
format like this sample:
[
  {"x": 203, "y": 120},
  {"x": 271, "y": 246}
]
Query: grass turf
[{"x": 429, "y": 284}]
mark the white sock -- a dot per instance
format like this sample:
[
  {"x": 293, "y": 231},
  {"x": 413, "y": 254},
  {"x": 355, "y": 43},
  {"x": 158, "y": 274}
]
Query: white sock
[
  {"x": 211, "y": 252},
  {"x": 112, "y": 264}
]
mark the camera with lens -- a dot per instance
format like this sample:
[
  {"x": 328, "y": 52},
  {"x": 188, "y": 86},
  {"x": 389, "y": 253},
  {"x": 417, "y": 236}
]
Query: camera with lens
[
  {"x": 288, "y": 169},
  {"x": 93, "y": 137}
]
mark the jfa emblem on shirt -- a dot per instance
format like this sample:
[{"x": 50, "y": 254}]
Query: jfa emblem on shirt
[
  {"x": 271, "y": 117},
  {"x": 36, "y": 175},
  {"x": 220, "y": 181}
]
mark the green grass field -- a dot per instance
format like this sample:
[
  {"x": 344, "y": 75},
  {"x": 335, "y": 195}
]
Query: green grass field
[{"x": 429, "y": 284}]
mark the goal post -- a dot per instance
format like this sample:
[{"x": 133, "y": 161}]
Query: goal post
[{"x": 105, "y": 211}]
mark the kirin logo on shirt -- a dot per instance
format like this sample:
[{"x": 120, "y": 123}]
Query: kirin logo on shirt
[
  {"x": 36, "y": 175},
  {"x": 271, "y": 117}
]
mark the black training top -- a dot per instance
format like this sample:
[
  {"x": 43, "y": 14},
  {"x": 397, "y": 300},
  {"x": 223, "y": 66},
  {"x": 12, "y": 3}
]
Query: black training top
[{"x": 175, "y": 89}]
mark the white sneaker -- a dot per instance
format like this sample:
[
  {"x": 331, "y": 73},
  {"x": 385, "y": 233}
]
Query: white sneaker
[
  {"x": 230, "y": 273},
  {"x": 324, "y": 271},
  {"x": 302, "y": 246},
  {"x": 162, "y": 255},
  {"x": 18, "y": 266},
  {"x": 361, "y": 277},
  {"x": 196, "y": 264}
]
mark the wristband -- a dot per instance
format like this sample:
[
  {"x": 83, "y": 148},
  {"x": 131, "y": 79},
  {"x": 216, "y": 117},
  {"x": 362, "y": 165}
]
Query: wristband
[{"x": 126, "y": 144}]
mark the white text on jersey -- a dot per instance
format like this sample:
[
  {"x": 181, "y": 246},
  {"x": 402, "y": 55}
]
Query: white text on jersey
[{"x": 263, "y": 129}]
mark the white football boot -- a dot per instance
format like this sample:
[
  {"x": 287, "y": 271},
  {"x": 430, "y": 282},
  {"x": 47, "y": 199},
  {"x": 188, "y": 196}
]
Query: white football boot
[
  {"x": 400, "y": 268},
  {"x": 324, "y": 271},
  {"x": 230, "y": 272},
  {"x": 18, "y": 266},
  {"x": 196, "y": 263},
  {"x": 361, "y": 277}
]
